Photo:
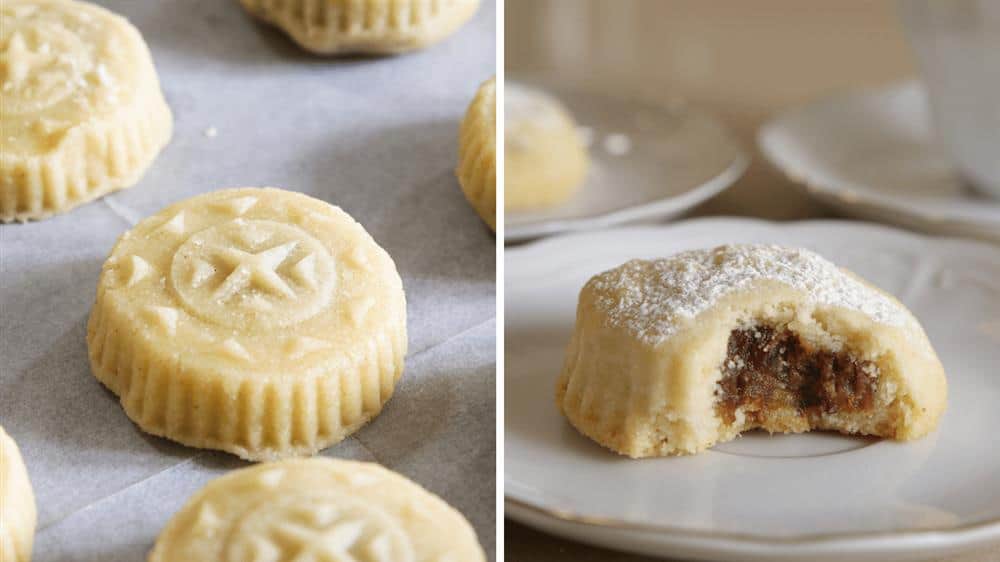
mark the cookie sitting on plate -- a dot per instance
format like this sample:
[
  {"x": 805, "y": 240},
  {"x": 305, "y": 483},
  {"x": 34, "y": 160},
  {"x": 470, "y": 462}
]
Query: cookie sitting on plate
[
  {"x": 545, "y": 161},
  {"x": 672, "y": 356}
]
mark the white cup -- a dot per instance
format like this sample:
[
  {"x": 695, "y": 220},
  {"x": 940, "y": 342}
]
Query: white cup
[{"x": 957, "y": 43}]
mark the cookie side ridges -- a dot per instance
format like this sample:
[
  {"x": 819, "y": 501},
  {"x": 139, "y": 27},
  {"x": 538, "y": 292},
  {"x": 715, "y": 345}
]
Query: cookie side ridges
[
  {"x": 477, "y": 157},
  {"x": 96, "y": 151},
  {"x": 93, "y": 160},
  {"x": 327, "y": 26},
  {"x": 256, "y": 419}
]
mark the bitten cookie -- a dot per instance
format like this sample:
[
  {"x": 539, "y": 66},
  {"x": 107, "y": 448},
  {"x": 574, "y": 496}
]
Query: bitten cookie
[
  {"x": 316, "y": 509},
  {"x": 329, "y": 27},
  {"x": 261, "y": 322},
  {"x": 672, "y": 356},
  {"x": 82, "y": 112},
  {"x": 477, "y": 153},
  {"x": 17, "y": 504},
  {"x": 544, "y": 160}
]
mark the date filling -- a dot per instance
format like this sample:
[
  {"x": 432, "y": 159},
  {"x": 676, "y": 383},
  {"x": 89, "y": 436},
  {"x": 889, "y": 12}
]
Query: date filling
[{"x": 768, "y": 368}]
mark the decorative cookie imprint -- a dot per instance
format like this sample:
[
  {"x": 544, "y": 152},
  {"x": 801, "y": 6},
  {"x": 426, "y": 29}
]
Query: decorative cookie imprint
[
  {"x": 243, "y": 272},
  {"x": 674, "y": 355},
  {"x": 364, "y": 26},
  {"x": 82, "y": 111},
  {"x": 545, "y": 160},
  {"x": 477, "y": 158},
  {"x": 229, "y": 322},
  {"x": 17, "y": 504},
  {"x": 317, "y": 509}
]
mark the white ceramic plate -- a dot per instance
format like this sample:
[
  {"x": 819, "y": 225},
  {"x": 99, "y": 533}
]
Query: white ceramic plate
[
  {"x": 873, "y": 155},
  {"x": 647, "y": 162},
  {"x": 815, "y": 497}
]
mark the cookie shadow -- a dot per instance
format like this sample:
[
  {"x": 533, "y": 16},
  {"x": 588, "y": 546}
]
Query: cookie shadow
[
  {"x": 439, "y": 430},
  {"x": 55, "y": 398}
]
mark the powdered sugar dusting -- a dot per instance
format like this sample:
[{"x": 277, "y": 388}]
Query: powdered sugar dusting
[{"x": 651, "y": 297}]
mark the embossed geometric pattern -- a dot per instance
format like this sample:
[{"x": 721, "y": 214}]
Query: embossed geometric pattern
[
  {"x": 165, "y": 317},
  {"x": 312, "y": 510},
  {"x": 238, "y": 206},
  {"x": 176, "y": 224},
  {"x": 230, "y": 295},
  {"x": 40, "y": 64},
  {"x": 82, "y": 113},
  {"x": 318, "y": 528},
  {"x": 232, "y": 348},
  {"x": 253, "y": 272},
  {"x": 138, "y": 269}
]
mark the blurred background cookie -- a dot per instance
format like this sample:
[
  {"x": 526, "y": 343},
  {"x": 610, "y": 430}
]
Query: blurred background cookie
[
  {"x": 477, "y": 153},
  {"x": 545, "y": 160},
  {"x": 317, "y": 509},
  {"x": 82, "y": 111},
  {"x": 329, "y": 27},
  {"x": 17, "y": 504}
]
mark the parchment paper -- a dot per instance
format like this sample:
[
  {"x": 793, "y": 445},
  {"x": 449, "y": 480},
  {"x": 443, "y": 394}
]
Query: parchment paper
[{"x": 376, "y": 136}]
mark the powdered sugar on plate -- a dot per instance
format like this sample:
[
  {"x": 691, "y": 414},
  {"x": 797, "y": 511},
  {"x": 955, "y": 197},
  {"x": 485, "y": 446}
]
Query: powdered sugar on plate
[{"x": 651, "y": 297}]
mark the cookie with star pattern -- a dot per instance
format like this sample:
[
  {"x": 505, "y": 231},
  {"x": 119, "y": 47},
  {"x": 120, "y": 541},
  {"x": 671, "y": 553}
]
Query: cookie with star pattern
[
  {"x": 260, "y": 322},
  {"x": 82, "y": 112},
  {"x": 316, "y": 510}
]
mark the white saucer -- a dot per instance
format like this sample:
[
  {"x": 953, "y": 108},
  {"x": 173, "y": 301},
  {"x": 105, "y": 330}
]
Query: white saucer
[
  {"x": 648, "y": 162},
  {"x": 872, "y": 154},
  {"x": 818, "y": 497}
]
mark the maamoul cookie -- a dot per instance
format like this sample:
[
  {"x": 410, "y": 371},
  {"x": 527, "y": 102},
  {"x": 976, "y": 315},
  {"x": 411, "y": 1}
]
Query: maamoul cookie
[
  {"x": 477, "y": 153},
  {"x": 329, "y": 27},
  {"x": 261, "y": 322},
  {"x": 82, "y": 112},
  {"x": 671, "y": 356},
  {"x": 544, "y": 160},
  {"x": 316, "y": 509},
  {"x": 17, "y": 504}
]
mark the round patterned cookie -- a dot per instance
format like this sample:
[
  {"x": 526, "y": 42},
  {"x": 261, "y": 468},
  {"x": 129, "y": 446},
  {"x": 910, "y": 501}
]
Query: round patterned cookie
[
  {"x": 261, "y": 322},
  {"x": 477, "y": 153},
  {"x": 671, "y": 356},
  {"x": 329, "y": 27},
  {"x": 17, "y": 504},
  {"x": 313, "y": 510},
  {"x": 544, "y": 160},
  {"x": 82, "y": 112}
]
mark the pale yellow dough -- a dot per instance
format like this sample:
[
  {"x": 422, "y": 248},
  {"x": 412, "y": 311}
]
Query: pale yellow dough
[
  {"x": 261, "y": 322},
  {"x": 17, "y": 504},
  {"x": 82, "y": 112},
  {"x": 642, "y": 370},
  {"x": 313, "y": 510},
  {"x": 545, "y": 161},
  {"x": 477, "y": 153},
  {"x": 329, "y": 27}
]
